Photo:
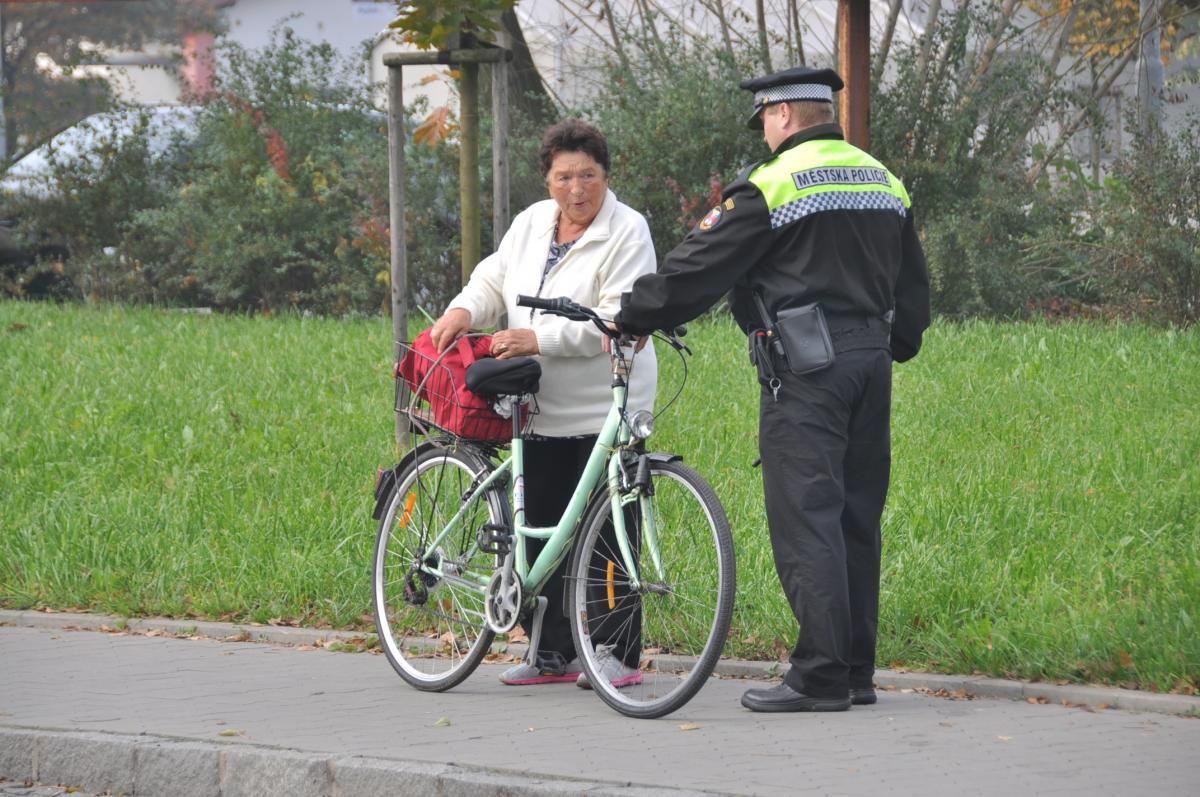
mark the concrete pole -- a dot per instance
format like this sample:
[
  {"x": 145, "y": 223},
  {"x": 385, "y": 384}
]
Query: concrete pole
[
  {"x": 3, "y": 120},
  {"x": 396, "y": 224},
  {"x": 1150, "y": 68},
  {"x": 854, "y": 65}
]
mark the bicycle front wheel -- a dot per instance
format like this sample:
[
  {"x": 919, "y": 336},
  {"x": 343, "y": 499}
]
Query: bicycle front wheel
[
  {"x": 429, "y": 594},
  {"x": 647, "y": 650}
]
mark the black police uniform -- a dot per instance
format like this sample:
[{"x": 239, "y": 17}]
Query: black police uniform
[{"x": 819, "y": 221}]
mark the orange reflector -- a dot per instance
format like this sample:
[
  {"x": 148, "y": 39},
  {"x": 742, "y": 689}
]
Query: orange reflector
[
  {"x": 612, "y": 594},
  {"x": 408, "y": 505}
]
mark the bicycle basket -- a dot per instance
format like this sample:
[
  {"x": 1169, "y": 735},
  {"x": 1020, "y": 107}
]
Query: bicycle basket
[{"x": 431, "y": 389}]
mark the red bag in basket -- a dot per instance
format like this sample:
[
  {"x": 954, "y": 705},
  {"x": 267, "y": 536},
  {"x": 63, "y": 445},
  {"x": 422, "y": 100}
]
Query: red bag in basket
[{"x": 455, "y": 408}]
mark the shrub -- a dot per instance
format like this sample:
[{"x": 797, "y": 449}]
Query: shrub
[
  {"x": 675, "y": 121},
  {"x": 1150, "y": 216}
]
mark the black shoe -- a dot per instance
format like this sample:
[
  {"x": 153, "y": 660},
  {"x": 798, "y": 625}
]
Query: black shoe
[
  {"x": 785, "y": 698},
  {"x": 862, "y": 697}
]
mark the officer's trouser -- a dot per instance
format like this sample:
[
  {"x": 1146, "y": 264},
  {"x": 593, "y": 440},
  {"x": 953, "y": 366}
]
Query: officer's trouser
[{"x": 826, "y": 455}]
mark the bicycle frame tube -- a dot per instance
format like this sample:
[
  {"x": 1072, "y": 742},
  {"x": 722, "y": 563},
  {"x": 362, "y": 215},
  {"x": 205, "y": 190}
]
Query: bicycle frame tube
[{"x": 559, "y": 537}]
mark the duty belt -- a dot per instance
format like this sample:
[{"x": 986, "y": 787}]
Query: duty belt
[{"x": 851, "y": 332}]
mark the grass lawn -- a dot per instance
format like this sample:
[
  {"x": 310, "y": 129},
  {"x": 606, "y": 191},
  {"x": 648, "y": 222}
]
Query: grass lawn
[{"x": 1043, "y": 522}]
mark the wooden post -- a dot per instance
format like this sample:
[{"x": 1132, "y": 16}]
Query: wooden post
[
  {"x": 468, "y": 167},
  {"x": 395, "y": 63},
  {"x": 396, "y": 224},
  {"x": 854, "y": 64},
  {"x": 500, "y": 192}
]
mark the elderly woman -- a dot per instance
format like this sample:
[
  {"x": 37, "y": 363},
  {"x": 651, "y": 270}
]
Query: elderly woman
[{"x": 583, "y": 244}]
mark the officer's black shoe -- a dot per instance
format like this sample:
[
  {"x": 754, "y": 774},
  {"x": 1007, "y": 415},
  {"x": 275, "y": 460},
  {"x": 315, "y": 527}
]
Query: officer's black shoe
[
  {"x": 785, "y": 698},
  {"x": 862, "y": 697}
]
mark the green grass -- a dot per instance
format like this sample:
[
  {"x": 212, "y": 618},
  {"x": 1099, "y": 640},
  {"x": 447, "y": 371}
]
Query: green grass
[{"x": 1044, "y": 518}]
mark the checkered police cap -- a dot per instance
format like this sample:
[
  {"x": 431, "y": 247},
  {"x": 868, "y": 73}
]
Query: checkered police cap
[{"x": 798, "y": 84}]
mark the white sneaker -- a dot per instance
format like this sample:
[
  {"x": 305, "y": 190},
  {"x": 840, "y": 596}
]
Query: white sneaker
[
  {"x": 615, "y": 671},
  {"x": 524, "y": 674}
]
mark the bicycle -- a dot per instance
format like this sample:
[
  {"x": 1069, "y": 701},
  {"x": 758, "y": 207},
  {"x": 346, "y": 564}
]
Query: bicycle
[{"x": 652, "y": 559}]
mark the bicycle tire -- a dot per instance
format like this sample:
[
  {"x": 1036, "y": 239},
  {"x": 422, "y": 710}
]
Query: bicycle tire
[
  {"x": 676, "y": 625},
  {"x": 433, "y": 629}
]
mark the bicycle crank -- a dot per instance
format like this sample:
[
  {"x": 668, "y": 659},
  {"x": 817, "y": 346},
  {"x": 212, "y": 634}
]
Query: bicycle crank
[{"x": 503, "y": 605}]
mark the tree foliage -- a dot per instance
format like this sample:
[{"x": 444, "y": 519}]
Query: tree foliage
[
  {"x": 40, "y": 39},
  {"x": 430, "y": 24}
]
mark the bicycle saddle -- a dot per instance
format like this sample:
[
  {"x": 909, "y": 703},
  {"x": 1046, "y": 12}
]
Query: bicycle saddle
[{"x": 491, "y": 378}]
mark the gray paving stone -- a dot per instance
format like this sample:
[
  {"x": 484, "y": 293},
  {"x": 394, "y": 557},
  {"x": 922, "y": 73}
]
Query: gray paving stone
[
  {"x": 16, "y": 755},
  {"x": 89, "y": 760},
  {"x": 253, "y": 773},
  {"x": 177, "y": 769}
]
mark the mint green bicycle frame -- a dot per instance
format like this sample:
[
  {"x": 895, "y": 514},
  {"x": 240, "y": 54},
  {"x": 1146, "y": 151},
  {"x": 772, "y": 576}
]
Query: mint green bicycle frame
[{"x": 613, "y": 435}]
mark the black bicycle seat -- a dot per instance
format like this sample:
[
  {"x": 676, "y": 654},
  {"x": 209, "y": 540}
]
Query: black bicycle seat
[{"x": 491, "y": 378}]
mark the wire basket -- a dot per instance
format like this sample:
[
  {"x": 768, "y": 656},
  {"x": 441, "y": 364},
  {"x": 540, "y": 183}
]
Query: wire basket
[{"x": 433, "y": 394}]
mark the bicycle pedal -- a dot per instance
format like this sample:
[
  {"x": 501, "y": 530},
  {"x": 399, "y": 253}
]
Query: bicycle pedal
[{"x": 494, "y": 539}]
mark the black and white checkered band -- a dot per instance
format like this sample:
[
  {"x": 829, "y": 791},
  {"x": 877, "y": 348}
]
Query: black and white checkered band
[
  {"x": 835, "y": 200},
  {"x": 797, "y": 91}
]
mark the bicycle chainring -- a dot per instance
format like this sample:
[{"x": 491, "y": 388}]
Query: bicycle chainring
[{"x": 503, "y": 605}]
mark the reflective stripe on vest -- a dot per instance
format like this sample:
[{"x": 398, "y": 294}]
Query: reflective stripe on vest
[{"x": 826, "y": 175}]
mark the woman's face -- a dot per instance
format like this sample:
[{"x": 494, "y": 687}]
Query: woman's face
[{"x": 577, "y": 183}]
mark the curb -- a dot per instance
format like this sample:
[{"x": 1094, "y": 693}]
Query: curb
[
  {"x": 954, "y": 686},
  {"x": 156, "y": 765}
]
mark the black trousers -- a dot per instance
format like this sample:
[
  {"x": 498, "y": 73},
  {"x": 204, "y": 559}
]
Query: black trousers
[
  {"x": 826, "y": 458},
  {"x": 553, "y": 466}
]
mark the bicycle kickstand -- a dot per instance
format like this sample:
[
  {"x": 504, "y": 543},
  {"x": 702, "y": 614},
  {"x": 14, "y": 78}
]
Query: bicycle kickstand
[{"x": 535, "y": 638}]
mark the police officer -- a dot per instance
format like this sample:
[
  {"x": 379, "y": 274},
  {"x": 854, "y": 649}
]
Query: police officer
[{"x": 818, "y": 222}]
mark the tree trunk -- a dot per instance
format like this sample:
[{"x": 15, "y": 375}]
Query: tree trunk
[
  {"x": 886, "y": 44},
  {"x": 764, "y": 49},
  {"x": 794, "y": 9},
  {"x": 718, "y": 8},
  {"x": 616, "y": 38}
]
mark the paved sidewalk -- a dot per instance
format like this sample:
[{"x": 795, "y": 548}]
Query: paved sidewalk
[{"x": 148, "y": 715}]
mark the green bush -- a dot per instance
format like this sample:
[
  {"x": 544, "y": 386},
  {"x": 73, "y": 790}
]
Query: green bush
[
  {"x": 84, "y": 206},
  {"x": 1150, "y": 217},
  {"x": 279, "y": 199}
]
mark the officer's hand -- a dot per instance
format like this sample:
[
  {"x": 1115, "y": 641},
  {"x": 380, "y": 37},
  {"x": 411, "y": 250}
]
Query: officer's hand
[{"x": 638, "y": 345}]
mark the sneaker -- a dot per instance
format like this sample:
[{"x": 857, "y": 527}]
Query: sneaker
[
  {"x": 524, "y": 674},
  {"x": 864, "y": 696},
  {"x": 615, "y": 671}
]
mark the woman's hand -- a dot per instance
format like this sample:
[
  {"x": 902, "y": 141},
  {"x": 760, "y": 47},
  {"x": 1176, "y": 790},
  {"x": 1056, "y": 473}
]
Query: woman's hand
[
  {"x": 509, "y": 343},
  {"x": 447, "y": 329}
]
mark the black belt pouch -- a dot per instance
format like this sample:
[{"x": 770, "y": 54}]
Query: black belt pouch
[{"x": 805, "y": 337}]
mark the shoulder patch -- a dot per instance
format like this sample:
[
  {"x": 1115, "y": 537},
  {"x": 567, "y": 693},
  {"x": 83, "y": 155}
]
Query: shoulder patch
[
  {"x": 711, "y": 219},
  {"x": 729, "y": 204}
]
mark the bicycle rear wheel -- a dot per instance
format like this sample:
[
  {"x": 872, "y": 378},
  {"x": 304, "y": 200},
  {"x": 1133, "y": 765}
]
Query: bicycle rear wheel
[
  {"x": 429, "y": 602},
  {"x": 673, "y": 627}
]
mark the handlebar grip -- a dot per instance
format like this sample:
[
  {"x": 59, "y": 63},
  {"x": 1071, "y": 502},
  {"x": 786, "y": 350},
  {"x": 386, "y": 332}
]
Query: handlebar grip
[{"x": 538, "y": 303}]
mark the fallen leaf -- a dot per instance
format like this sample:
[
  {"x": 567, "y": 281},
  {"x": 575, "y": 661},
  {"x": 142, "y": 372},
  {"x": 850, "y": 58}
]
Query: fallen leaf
[
  {"x": 1004, "y": 738},
  {"x": 688, "y": 726},
  {"x": 517, "y": 635},
  {"x": 1037, "y": 700},
  {"x": 231, "y": 732},
  {"x": 1125, "y": 659},
  {"x": 442, "y": 722}
]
